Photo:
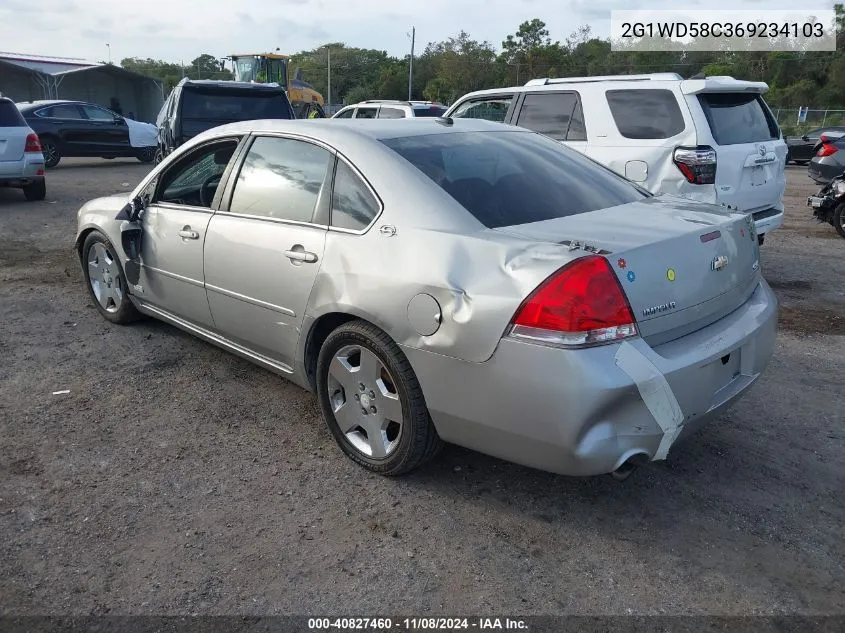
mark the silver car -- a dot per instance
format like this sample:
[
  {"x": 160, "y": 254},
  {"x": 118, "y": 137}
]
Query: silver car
[
  {"x": 21, "y": 157},
  {"x": 445, "y": 280}
]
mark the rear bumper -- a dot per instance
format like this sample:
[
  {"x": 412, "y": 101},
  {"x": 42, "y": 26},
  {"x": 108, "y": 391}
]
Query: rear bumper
[
  {"x": 767, "y": 220},
  {"x": 25, "y": 171},
  {"x": 583, "y": 412},
  {"x": 822, "y": 172}
]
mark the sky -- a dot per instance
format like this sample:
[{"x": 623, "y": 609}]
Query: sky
[{"x": 180, "y": 30}]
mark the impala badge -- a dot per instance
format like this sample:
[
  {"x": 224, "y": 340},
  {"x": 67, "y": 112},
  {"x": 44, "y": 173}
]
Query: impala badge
[
  {"x": 663, "y": 307},
  {"x": 719, "y": 262}
]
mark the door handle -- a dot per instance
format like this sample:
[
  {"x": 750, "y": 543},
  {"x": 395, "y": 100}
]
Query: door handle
[
  {"x": 188, "y": 234},
  {"x": 301, "y": 256}
]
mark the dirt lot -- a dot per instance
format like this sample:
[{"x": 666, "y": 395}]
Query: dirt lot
[{"x": 175, "y": 478}]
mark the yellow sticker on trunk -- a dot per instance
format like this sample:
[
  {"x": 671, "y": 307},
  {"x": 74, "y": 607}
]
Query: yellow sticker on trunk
[{"x": 670, "y": 274}]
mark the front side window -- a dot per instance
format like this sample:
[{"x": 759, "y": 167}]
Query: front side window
[
  {"x": 281, "y": 178},
  {"x": 514, "y": 177},
  {"x": 646, "y": 114},
  {"x": 366, "y": 113},
  {"x": 490, "y": 109},
  {"x": 353, "y": 206},
  {"x": 555, "y": 114},
  {"x": 97, "y": 114},
  {"x": 193, "y": 181},
  {"x": 345, "y": 114}
]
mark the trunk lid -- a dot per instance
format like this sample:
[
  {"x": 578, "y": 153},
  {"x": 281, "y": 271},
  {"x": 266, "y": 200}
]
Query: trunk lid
[{"x": 682, "y": 265}]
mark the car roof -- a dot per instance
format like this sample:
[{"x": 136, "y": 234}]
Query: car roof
[
  {"x": 32, "y": 105},
  {"x": 237, "y": 85}
]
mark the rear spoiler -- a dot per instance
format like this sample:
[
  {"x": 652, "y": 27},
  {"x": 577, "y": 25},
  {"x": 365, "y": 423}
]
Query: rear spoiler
[{"x": 722, "y": 84}]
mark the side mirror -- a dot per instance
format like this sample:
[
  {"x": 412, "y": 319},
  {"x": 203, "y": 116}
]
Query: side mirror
[
  {"x": 119, "y": 120},
  {"x": 805, "y": 138},
  {"x": 132, "y": 209}
]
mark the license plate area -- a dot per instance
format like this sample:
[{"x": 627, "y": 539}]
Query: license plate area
[
  {"x": 758, "y": 176},
  {"x": 815, "y": 202}
]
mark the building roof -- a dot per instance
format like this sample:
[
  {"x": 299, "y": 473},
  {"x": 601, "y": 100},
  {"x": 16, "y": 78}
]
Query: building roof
[{"x": 43, "y": 63}]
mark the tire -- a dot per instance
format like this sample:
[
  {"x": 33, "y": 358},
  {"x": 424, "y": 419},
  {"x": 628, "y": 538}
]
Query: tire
[
  {"x": 147, "y": 154},
  {"x": 159, "y": 155},
  {"x": 35, "y": 191},
  {"x": 839, "y": 220},
  {"x": 51, "y": 152},
  {"x": 401, "y": 446},
  {"x": 99, "y": 256}
]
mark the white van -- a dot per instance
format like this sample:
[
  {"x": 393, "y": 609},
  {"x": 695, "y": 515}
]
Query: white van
[{"x": 712, "y": 139}]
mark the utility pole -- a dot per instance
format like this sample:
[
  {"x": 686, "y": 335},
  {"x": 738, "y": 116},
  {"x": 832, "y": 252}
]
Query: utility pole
[
  {"x": 328, "y": 79},
  {"x": 411, "y": 65},
  {"x": 108, "y": 46}
]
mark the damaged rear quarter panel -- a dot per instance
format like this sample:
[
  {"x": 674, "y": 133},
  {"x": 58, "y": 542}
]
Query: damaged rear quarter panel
[{"x": 478, "y": 278}]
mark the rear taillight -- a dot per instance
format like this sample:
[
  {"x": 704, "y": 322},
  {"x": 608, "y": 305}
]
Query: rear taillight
[
  {"x": 32, "y": 144},
  {"x": 827, "y": 149},
  {"x": 582, "y": 304},
  {"x": 697, "y": 164}
]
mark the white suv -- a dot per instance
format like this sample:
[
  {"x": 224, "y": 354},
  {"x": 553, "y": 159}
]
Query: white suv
[
  {"x": 21, "y": 160},
  {"x": 711, "y": 139},
  {"x": 386, "y": 109}
]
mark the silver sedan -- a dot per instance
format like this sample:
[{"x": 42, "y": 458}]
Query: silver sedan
[{"x": 445, "y": 281}]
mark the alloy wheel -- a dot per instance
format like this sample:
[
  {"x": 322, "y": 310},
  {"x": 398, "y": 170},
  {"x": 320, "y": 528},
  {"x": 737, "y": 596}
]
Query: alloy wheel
[
  {"x": 365, "y": 402},
  {"x": 104, "y": 277}
]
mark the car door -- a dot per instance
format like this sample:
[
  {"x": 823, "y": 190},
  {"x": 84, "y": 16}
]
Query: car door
[
  {"x": 175, "y": 222},
  {"x": 70, "y": 125},
  {"x": 264, "y": 247},
  {"x": 109, "y": 130}
]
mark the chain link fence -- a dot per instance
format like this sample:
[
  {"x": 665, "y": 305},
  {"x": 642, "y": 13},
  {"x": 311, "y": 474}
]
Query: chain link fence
[{"x": 787, "y": 119}]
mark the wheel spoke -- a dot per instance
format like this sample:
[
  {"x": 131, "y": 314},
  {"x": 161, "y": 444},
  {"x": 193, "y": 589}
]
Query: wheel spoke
[
  {"x": 116, "y": 291},
  {"x": 344, "y": 373},
  {"x": 390, "y": 406},
  {"x": 370, "y": 367},
  {"x": 348, "y": 416},
  {"x": 103, "y": 293},
  {"x": 375, "y": 437}
]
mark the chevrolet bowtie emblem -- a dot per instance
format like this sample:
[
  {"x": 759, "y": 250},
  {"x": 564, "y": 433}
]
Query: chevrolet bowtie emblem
[{"x": 719, "y": 262}]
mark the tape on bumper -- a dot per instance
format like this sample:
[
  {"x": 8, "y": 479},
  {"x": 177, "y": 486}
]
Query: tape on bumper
[{"x": 655, "y": 392}]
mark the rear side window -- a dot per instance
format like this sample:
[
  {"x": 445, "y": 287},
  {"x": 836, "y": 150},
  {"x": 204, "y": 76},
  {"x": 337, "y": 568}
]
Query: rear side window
[
  {"x": 353, "y": 206},
  {"x": 490, "y": 108},
  {"x": 514, "y": 177},
  {"x": 430, "y": 111},
  {"x": 61, "y": 112},
  {"x": 555, "y": 114},
  {"x": 10, "y": 116},
  {"x": 645, "y": 114},
  {"x": 737, "y": 118},
  {"x": 391, "y": 113}
]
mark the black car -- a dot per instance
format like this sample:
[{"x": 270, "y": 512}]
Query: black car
[
  {"x": 76, "y": 128},
  {"x": 195, "y": 106},
  {"x": 801, "y": 149},
  {"x": 829, "y": 160}
]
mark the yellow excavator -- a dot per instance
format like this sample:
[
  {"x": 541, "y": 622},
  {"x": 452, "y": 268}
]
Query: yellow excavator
[{"x": 273, "y": 68}]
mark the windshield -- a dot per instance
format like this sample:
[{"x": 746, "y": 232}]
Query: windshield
[
  {"x": 232, "y": 105},
  {"x": 509, "y": 178}
]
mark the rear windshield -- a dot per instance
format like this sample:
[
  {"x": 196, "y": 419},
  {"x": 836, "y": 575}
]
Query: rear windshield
[
  {"x": 509, "y": 178},
  {"x": 736, "y": 118},
  {"x": 222, "y": 105},
  {"x": 429, "y": 111},
  {"x": 10, "y": 116}
]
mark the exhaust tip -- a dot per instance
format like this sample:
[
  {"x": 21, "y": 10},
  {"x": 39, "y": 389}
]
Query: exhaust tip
[{"x": 629, "y": 466}]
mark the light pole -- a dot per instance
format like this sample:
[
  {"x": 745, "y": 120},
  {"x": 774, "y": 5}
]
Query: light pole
[
  {"x": 411, "y": 65},
  {"x": 328, "y": 79},
  {"x": 108, "y": 46}
]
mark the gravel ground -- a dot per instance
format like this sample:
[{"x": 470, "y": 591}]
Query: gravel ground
[{"x": 176, "y": 479}]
